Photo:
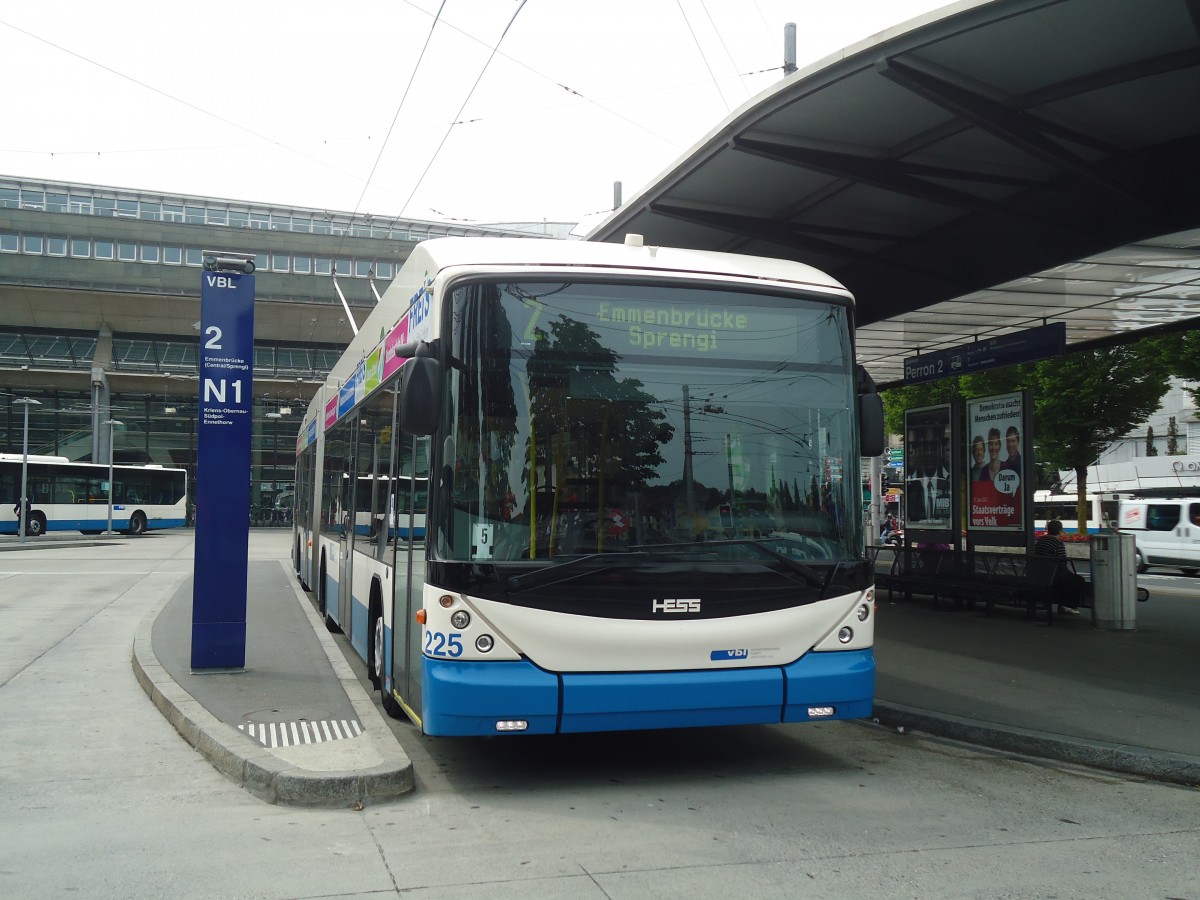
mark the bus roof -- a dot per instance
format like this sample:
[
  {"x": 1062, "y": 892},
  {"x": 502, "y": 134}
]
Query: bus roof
[
  {"x": 430, "y": 260},
  {"x": 453, "y": 252}
]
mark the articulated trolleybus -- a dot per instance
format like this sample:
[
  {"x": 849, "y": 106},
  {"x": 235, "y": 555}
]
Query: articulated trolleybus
[{"x": 642, "y": 504}]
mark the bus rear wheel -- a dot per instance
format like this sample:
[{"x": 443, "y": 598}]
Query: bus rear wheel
[
  {"x": 35, "y": 525},
  {"x": 137, "y": 523}
]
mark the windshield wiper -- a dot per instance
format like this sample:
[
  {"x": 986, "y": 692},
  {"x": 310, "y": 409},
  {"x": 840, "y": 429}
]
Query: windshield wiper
[{"x": 592, "y": 563}]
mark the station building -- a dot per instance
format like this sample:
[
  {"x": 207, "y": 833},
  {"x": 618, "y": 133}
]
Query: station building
[{"x": 100, "y": 309}]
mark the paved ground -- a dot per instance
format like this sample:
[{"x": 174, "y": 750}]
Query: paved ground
[{"x": 1127, "y": 701}]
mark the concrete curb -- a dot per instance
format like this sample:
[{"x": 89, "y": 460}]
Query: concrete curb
[
  {"x": 1156, "y": 764},
  {"x": 270, "y": 774}
]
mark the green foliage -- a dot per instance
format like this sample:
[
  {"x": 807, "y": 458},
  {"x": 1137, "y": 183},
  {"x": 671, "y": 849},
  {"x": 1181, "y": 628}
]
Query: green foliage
[
  {"x": 896, "y": 400},
  {"x": 1183, "y": 352}
]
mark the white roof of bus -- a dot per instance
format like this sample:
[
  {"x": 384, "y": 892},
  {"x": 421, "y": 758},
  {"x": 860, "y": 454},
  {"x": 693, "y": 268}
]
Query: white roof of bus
[
  {"x": 453, "y": 252},
  {"x": 431, "y": 258}
]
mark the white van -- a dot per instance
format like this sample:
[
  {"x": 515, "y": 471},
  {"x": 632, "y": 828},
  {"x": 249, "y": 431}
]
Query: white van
[{"x": 1167, "y": 531}]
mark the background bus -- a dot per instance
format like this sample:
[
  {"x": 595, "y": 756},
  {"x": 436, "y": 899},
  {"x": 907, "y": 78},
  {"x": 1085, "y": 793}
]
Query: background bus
[
  {"x": 381, "y": 496},
  {"x": 73, "y": 496},
  {"x": 1102, "y": 510},
  {"x": 642, "y": 477}
]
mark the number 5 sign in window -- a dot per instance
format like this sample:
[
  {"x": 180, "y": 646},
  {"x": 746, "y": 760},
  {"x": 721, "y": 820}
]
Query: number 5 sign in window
[{"x": 482, "y": 535}]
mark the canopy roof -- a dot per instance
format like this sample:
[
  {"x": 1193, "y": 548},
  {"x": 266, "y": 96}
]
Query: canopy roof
[{"x": 987, "y": 168}]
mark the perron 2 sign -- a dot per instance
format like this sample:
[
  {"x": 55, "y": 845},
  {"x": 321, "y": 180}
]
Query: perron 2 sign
[{"x": 223, "y": 470}]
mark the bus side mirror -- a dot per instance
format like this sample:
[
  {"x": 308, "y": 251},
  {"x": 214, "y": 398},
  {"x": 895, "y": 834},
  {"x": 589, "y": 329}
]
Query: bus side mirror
[
  {"x": 420, "y": 395},
  {"x": 871, "y": 434},
  {"x": 870, "y": 417}
]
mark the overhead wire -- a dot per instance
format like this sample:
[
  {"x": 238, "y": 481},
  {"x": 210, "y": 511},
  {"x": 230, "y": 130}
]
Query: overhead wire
[
  {"x": 411, "y": 78},
  {"x": 703, "y": 56},
  {"x": 554, "y": 81},
  {"x": 399, "y": 106},
  {"x": 458, "y": 115},
  {"x": 171, "y": 97},
  {"x": 724, "y": 46}
]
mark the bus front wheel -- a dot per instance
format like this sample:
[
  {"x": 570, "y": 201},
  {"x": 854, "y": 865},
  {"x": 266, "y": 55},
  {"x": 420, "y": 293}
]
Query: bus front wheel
[
  {"x": 35, "y": 525},
  {"x": 137, "y": 523},
  {"x": 376, "y": 652}
]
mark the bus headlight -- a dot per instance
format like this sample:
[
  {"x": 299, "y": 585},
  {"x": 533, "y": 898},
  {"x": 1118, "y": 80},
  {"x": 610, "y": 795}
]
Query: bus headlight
[
  {"x": 460, "y": 619},
  {"x": 846, "y": 635},
  {"x": 864, "y": 610},
  {"x": 484, "y": 643}
]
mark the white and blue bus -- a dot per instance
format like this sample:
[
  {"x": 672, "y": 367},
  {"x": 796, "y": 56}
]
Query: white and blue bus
[
  {"x": 74, "y": 496},
  {"x": 1101, "y": 511},
  {"x": 594, "y": 421}
]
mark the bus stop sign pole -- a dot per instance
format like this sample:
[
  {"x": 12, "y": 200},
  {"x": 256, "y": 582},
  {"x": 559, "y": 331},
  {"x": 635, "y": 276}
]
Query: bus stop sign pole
[{"x": 222, "y": 487}]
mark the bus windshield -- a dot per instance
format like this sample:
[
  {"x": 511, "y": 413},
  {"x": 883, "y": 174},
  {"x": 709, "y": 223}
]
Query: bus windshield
[{"x": 626, "y": 418}]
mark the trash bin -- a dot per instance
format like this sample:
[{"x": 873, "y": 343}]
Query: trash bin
[{"x": 1114, "y": 582}]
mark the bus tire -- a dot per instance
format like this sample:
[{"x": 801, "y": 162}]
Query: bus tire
[
  {"x": 35, "y": 525},
  {"x": 323, "y": 602},
  {"x": 138, "y": 523},
  {"x": 375, "y": 654},
  {"x": 390, "y": 704}
]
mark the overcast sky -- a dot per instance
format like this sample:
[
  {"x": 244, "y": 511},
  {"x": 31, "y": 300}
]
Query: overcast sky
[{"x": 342, "y": 106}]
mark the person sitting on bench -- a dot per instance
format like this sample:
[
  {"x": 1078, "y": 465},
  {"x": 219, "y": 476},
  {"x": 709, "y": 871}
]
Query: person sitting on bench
[{"x": 1068, "y": 585}]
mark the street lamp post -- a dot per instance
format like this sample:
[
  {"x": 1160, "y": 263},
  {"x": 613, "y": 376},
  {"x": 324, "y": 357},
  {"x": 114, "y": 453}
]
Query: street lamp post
[
  {"x": 112, "y": 424},
  {"x": 23, "y": 503},
  {"x": 274, "y": 417}
]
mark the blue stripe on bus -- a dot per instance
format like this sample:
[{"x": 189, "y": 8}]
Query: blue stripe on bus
[
  {"x": 632, "y": 700},
  {"x": 467, "y": 698},
  {"x": 358, "y": 627},
  {"x": 119, "y": 524}
]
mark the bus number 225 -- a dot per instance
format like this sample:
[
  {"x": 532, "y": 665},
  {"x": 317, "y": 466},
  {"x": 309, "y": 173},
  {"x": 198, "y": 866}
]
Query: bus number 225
[{"x": 438, "y": 644}]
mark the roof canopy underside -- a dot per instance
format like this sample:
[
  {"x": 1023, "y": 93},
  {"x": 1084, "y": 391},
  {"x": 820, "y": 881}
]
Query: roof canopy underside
[{"x": 985, "y": 169}]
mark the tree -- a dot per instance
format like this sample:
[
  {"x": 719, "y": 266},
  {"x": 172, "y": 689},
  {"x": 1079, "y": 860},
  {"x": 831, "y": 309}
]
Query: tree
[
  {"x": 1184, "y": 352},
  {"x": 1172, "y": 437},
  {"x": 1151, "y": 450}
]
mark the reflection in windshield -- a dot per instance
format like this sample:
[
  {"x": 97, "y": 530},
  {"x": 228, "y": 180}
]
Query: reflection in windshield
[{"x": 600, "y": 418}]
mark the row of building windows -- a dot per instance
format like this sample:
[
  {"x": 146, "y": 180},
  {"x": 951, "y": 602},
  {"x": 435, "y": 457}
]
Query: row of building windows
[
  {"x": 82, "y": 201},
  {"x": 76, "y": 351},
  {"x": 129, "y": 251}
]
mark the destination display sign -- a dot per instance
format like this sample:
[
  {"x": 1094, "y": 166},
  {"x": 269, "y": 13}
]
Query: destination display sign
[{"x": 1020, "y": 346}]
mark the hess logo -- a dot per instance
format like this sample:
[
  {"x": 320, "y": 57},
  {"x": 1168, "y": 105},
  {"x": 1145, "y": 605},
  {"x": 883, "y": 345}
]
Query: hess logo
[{"x": 674, "y": 605}]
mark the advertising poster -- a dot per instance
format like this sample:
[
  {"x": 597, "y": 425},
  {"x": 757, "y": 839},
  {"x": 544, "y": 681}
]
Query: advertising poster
[
  {"x": 927, "y": 480},
  {"x": 996, "y": 469}
]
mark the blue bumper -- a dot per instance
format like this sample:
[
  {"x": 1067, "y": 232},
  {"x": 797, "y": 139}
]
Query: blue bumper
[{"x": 468, "y": 698}]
